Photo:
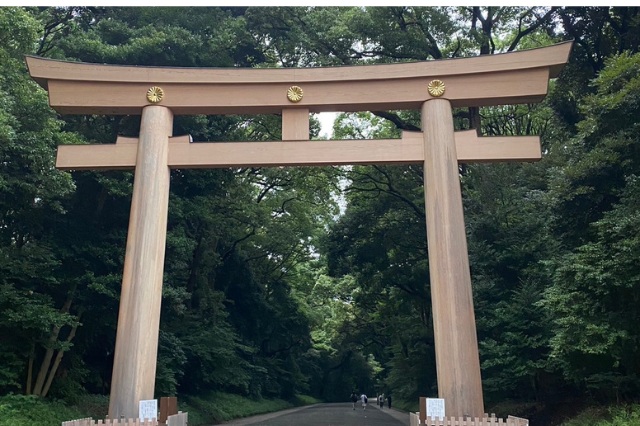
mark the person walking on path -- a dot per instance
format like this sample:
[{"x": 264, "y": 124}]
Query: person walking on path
[
  {"x": 381, "y": 400},
  {"x": 363, "y": 397},
  {"x": 389, "y": 401},
  {"x": 354, "y": 399}
]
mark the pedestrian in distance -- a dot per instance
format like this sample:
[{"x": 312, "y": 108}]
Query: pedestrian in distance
[
  {"x": 354, "y": 399},
  {"x": 381, "y": 400},
  {"x": 389, "y": 401},
  {"x": 364, "y": 400}
]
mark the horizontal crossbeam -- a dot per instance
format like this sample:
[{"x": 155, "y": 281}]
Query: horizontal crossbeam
[
  {"x": 406, "y": 150},
  {"x": 509, "y": 78}
]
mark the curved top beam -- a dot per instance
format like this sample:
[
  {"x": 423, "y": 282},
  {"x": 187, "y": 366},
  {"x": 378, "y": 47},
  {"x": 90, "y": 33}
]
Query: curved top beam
[{"x": 83, "y": 88}]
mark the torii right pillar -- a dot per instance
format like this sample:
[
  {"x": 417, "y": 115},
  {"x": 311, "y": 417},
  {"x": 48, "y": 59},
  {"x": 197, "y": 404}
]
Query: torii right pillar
[{"x": 456, "y": 343}]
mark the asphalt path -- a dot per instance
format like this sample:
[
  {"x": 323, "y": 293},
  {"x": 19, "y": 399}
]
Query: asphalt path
[{"x": 341, "y": 414}]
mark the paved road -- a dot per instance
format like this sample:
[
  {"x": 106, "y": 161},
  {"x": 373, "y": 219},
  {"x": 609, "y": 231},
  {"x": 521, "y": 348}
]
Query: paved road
[{"x": 328, "y": 415}]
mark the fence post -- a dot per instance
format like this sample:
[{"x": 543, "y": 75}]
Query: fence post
[
  {"x": 423, "y": 410},
  {"x": 168, "y": 407}
]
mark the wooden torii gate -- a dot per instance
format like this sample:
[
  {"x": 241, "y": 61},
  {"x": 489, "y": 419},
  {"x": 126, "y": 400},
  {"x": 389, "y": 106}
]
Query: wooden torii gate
[{"x": 159, "y": 93}]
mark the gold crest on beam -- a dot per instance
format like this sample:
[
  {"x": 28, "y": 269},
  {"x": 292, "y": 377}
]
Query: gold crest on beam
[
  {"x": 436, "y": 88},
  {"x": 155, "y": 94},
  {"x": 295, "y": 94}
]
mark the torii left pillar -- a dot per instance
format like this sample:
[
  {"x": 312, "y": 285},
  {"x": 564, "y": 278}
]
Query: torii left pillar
[{"x": 134, "y": 367}]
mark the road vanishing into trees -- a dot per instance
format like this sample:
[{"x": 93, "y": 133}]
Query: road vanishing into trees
[{"x": 340, "y": 414}]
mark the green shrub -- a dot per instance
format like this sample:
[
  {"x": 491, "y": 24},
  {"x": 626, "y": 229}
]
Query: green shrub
[
  {"x": 96, "y": 406},
  {"x": 624, "y": 416},
  {"x": 614, "y": 416},
  {"x": 21, "y": 410},
  {"x": 514, "y": 408},
  {"x": 411, "y": 406}
]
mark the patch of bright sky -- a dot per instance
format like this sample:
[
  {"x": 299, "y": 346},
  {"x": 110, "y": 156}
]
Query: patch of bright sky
[{"x": 326, "y": 124}]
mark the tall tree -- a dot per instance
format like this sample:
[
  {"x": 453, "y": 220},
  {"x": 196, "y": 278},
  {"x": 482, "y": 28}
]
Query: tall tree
[
  {"x": 35, "y": 298},
  {"x": 591, "y": 299}
]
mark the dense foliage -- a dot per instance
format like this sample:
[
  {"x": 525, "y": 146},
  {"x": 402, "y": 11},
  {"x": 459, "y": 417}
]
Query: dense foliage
[{"x": 315, "y": 281}]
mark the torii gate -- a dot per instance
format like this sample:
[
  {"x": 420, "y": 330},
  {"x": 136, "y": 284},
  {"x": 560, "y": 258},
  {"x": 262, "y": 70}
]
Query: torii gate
[{"x": 157, "y": 93}]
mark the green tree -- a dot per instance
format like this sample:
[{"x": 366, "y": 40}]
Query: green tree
[
  {"x": 592, "y": 298},
  {"x": 35, "y": 299}
]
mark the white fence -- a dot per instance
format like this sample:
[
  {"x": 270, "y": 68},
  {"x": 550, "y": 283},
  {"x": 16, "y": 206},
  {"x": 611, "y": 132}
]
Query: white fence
[
  {"x": 414, "y": 420},
  {"x": 180, "y": 419},
  {"x": 111, "y": 422}
]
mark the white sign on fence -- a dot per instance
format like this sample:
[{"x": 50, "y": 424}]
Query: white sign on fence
[
  {"x": 148, "y": 409},
  {"x": 435, "y": 408}
]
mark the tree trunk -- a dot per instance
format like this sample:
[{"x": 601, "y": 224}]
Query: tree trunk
[
  {"x": 46, "y": 361},
  {"x": 474, "y": 119},
  {"x": 57, "y": 361},
  {"x": 30, "y": 369}
]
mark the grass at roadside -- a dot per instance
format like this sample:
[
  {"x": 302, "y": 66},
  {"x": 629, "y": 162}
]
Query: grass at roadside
[
  {"x": 411, "y": 406},
  {"x": 628, "y": 415},
  {"x": 220, "y": 407},
  {"x": 21, "y": 410}
]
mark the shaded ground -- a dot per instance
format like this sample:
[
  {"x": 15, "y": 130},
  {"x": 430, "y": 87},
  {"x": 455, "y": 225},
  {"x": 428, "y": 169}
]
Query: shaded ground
[{"x": 341, "y": 414}]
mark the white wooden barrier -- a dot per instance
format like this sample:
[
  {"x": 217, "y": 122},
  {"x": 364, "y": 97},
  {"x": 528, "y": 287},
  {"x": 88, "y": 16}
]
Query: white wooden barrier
[
  {"x": 180, "y": 419},
  {"x": 414, "y": 420},
  {"x": 112, "y": 422}
]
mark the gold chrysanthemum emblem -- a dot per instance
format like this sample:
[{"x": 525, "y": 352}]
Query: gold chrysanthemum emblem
[
  {"x": 294, "y": 94},
  {"x": 436, "y": 88},
  {"x": 155, "y": 94}
]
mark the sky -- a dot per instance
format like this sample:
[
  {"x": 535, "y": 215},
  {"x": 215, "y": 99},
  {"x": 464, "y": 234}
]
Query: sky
[{"x": 326, "y": 123}]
